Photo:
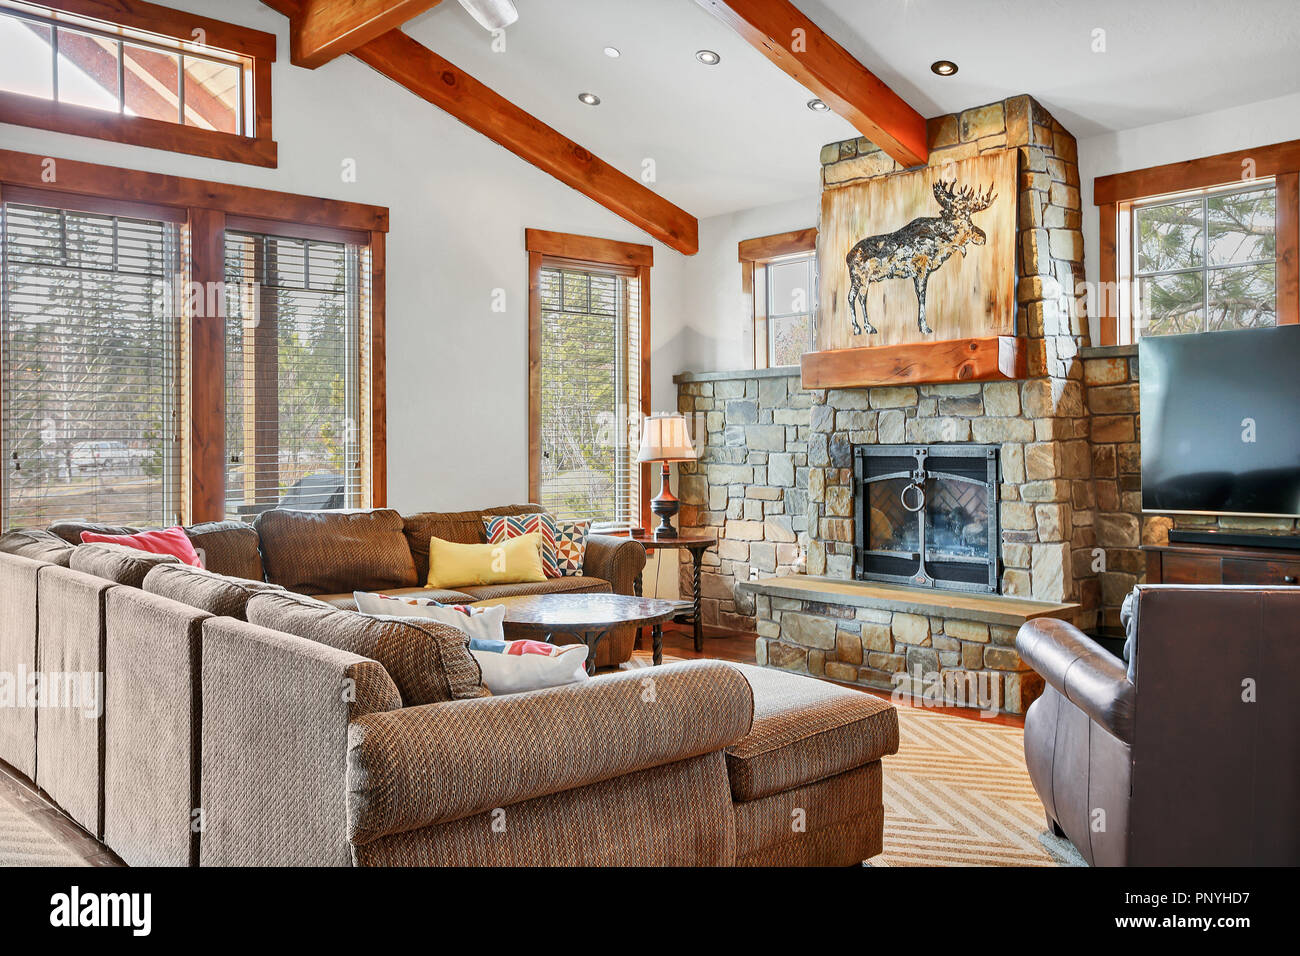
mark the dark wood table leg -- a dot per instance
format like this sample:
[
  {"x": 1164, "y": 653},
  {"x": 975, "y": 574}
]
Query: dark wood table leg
[
  {"x": 657, "y": 637},
  {"x": 697, "y": 556},
  {"x": 592, "y": 640},
  {"x": 636, "y": 589}
]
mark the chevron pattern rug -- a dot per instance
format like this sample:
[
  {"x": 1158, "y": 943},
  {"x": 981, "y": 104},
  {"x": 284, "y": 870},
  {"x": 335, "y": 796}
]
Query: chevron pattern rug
[{"x": 957, "y": 794}]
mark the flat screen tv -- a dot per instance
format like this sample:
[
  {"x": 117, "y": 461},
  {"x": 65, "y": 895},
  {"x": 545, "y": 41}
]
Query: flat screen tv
[{"x": 1221, "y": 422}]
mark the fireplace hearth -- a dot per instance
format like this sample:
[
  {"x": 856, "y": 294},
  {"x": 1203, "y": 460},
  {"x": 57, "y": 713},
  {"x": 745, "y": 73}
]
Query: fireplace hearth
[{"x": 927, "y": 515}]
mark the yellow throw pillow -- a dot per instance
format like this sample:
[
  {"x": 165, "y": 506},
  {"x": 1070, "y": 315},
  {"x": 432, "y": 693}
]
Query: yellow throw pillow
[{"x": 513, "y": 561}]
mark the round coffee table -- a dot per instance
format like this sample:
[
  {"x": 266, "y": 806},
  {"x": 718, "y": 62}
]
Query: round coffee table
[{"x": 588, "y": 617}]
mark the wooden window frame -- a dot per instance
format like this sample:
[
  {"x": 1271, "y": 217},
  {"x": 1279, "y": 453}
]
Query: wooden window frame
[
  {"x": 1116, "y": 194},
  {"x": 205, "y": 208},
  {"x": 754, "y": 256},
  {"x": 256, "y": 150},
  {"x": 632, "y": 257}
]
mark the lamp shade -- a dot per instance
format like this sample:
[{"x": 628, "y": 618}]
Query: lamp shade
[{"x": 664, "y": 438}]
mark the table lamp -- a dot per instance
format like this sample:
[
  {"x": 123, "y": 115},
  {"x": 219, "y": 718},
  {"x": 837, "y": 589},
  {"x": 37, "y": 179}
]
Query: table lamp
[{"x": 664, "y": 438}]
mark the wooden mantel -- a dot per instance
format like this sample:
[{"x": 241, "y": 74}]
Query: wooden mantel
[{"x": 955, "y": 360}]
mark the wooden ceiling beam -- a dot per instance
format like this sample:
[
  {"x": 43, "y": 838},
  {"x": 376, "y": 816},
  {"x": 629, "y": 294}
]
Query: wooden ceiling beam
[
  {"x": 446, "y": 86},
  {"x": 778, "y": 30},
  {"x": 442, "y": 83},
  {"x": 322, "y": 30}
]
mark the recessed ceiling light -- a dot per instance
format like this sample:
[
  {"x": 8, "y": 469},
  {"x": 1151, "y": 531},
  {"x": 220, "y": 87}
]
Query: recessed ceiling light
[
  {"x": 708, "y": 57},
  {"x": 817, "y": 106},
  {"x": 612, "y": 52},
  {"x": 591, "y": 99},
  {"x": 944, "y": 67}
]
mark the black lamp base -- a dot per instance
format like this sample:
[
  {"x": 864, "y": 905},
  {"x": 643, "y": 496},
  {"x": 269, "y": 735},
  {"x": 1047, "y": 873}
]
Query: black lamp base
[{"x": 665, "y": 505}]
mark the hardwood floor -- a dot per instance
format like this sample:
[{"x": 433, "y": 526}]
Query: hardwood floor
[
  {"x": 23, "y": 794},
  {"x": 734, "y": 646}
]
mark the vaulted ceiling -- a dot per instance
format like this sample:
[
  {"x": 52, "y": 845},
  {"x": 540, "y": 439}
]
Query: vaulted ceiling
[{"x": 739, "y": 134}]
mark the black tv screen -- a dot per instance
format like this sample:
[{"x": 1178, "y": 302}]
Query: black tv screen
[{"x": 1221, "y": 421}]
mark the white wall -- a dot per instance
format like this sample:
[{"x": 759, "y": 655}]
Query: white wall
[
  {"x": 1224, "y": 131},
  {"x": 457, "y": 383},
  {"x": 716, "y": 331}
]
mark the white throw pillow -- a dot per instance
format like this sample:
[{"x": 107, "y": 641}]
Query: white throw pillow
[
  {"x": 509, "y": 667},
  {"x": 480, "y": 623},
  {"x": 512, "y": 667}
]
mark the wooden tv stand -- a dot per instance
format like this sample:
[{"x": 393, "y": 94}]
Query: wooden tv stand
[{"x": 1187, "y": 563}]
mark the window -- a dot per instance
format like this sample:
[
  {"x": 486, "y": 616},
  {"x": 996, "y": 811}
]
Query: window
[
  {"x": 185, "y": 360},
  {"x": 779, "y": 274},
  {"x": 1206, "y": 263},
  {"x": 294, "y": 370},
  {"x": 791, "y": 302},
  {"x": 91, "y": 364},
  {"x": 590, "y": 385},
  {"x": 166, "y": 79},
  {"x": 1203, "y": 245}
]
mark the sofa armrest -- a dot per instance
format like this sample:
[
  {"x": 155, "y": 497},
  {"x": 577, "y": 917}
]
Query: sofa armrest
[
  {"x": 616, "y": 560},
  {"x": 1086, "y": 675},
  {"x": 421, "y": 766}
]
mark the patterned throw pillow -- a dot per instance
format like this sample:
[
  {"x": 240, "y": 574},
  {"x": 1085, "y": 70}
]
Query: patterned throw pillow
[
  {"x": 571, "y": 545},
  {"x": 501, "y": 527},
  {"x": 480, "y": 623},
  {"x": 512, "y": 667}
]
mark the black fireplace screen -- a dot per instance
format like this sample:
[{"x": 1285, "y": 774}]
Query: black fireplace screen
[{"x": 927, "y": 515}]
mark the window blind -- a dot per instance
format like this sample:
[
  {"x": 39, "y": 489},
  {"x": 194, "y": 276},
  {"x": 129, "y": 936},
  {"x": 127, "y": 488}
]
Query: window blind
[
  {"x": 90, "y": 329},
  {"x": 590, "y": 393},
  {"x": 295, "y": 373}
]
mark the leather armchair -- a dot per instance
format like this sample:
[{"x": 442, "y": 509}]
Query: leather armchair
[{"x": 1190, "y": 755}]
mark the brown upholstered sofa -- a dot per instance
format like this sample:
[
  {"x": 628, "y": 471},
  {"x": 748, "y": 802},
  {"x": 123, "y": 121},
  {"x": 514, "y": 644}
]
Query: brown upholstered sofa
[
  {"x": 1190, "y": 755},
  {"x": 330, "y": 554},
  {"x": 246, "y": 724}
]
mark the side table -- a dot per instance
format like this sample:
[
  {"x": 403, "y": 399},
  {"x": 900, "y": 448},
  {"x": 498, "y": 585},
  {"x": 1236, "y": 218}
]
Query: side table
[{"x": 697, "y": 546}]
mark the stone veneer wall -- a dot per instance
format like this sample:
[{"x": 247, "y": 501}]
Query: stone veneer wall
[
  {"x": 750, "y": 487},
  {"x": 872, "y": 645}
]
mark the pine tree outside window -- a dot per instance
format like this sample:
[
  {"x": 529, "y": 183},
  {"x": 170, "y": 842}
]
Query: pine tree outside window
[{"x": 1205, "y": 262}]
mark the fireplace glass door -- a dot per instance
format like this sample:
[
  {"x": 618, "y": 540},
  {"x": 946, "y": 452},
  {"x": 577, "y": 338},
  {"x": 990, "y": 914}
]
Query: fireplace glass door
[{"x": 927, "y": 515}]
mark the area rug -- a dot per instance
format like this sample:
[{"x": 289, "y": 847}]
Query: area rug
[
  {"x": 24, "y": 842},
  {"x": 957, "y": 794}
]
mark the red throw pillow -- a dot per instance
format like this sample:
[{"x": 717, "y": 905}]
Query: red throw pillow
[{"x": 173, "y": 541}]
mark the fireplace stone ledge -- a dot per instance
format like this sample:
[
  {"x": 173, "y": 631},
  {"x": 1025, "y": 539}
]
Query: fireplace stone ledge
[
  {"x": 925, "y": 645},
  {"x": 996, "y": 609}
]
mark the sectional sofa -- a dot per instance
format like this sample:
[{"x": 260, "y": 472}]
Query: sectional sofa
[{"x": 248, "y": 722}]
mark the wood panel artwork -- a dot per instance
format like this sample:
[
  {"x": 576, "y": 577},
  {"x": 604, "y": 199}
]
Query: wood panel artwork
[{"x": 921, "y": 256}]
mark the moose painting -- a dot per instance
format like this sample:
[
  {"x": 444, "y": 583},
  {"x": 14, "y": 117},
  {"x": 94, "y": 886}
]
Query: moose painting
[
  {"x": 920, "y": 256},
  {"x": 916, "y": 250}
]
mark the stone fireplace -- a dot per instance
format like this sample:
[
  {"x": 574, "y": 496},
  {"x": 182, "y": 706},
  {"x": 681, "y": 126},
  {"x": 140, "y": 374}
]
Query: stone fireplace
[
  {"x": 802, "y": 559},
  {"x": 927, "y": 516}
]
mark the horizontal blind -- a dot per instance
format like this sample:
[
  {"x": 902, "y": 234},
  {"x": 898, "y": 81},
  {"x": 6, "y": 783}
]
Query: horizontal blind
[
  {"x": 294, "y": 373},
  {"x": 91, "y": 407},
  {"x": 590, "y": 393}
]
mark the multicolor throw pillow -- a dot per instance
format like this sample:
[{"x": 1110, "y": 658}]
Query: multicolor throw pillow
[
  {"x": 479, "y": 623},
  {"x": 571, "y": 545},
  {"x": 512, "y": 667},
  {"x": 501, "y": 527}
]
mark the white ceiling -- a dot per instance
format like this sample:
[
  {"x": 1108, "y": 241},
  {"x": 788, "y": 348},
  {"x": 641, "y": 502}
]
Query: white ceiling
[{"x": 738, "y": 135}]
